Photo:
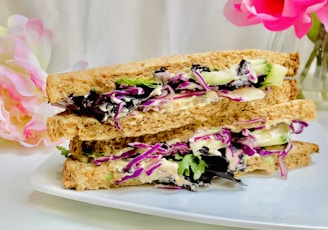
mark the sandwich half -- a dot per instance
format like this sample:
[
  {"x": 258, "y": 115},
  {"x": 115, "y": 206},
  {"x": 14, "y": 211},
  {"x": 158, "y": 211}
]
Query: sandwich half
[
  {"x": 151, "y": 96},
  {"x": 191, "y": 156}
]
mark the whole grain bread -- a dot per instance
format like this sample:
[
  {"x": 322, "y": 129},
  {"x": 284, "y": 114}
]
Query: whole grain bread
[
  {"x": 61, "y": 85},
  {"x": 87, "y": 176},
  {"x": 177, "y": 115},
  {"x": 225, "y": 112}
]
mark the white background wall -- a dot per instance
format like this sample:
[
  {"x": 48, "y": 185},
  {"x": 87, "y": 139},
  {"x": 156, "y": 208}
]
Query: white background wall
[{"x": 105, "y": 32}]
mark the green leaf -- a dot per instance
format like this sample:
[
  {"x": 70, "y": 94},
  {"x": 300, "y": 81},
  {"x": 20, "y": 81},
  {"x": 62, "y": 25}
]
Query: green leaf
[
  {"x": 315, "y": 29},
  {"x": 178, "y": 157},
  {"x": 64, "y": 152},
  {"x": 185, "y": 164},
  {"x": 137, "y": 82},
  {"x": 200, "y": 169},
  {"x": 195, "y": 163}
]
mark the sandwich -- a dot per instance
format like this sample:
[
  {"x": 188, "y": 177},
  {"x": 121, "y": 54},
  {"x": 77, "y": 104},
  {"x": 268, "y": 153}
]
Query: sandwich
[{"x": 180, "y": 121}]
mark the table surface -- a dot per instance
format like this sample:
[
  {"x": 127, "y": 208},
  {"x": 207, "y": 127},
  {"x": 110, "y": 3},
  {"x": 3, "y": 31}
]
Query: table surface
[{"x": 21, "y": 207}]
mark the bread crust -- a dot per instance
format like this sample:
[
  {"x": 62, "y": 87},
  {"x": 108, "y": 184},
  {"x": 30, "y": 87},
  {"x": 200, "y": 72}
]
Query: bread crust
[
  {"x": 141, "y": 123},
  {"x": 86, "y": 176},
  {"x": 61, "y": 85}
]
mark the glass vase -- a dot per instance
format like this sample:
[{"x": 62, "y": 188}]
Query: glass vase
[{"x": 312, "y": 77}]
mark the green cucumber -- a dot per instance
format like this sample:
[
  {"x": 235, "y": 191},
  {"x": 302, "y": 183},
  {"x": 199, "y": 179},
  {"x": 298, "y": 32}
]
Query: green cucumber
[
  {"x": 221, "y": 77},
  {"x": 260, "y": 61},
  {"x": 262, "y": 69},
  {"x": 276, "y": 136},
  {"x": 275, "y": 76}
]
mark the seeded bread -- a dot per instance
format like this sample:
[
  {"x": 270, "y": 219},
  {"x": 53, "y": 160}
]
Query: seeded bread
[
  {"x": 174, "y": 116},
  {"x": 86, "y": 176},
  {"x": 61, "y": 85}
]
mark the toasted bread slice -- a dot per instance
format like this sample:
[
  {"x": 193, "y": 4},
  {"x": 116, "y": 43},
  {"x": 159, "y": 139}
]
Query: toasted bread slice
[
  {"x": 61, "y": 85},
  {"x": 82, "y": 176}
]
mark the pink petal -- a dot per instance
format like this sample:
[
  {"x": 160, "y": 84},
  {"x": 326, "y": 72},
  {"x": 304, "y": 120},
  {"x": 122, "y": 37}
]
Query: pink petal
[
  {"x": 322, "y": 15},
  {"x": 277, "y": 16},
  {"x": 5, "y": 123},
  {"x": 39, "y": 40},
  {"x": 18, "y": 84},
  {"x": 45, "y": 49},
  {"x": 266, "y": 7},
  {"x": 278, "y": 25},
  {"x": 234, "y": 12},
  {"x": 35, "y": 131},
  {"x": 301, "y": 27},
  {"x": 313, "y": 5}
]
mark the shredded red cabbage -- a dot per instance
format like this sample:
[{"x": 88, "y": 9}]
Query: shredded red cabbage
[
  {"x": 151, "y": 169},
  {"x": 299, "y": 129},
  {"x": 230, "y": 95},
  {"x": 201, "y": 80},
  {"x": 127, "y": 154},
  {"x": 282, "y": 166},
  {"x": 141, "y": 157},
  {"x": 135, "y": 174}
]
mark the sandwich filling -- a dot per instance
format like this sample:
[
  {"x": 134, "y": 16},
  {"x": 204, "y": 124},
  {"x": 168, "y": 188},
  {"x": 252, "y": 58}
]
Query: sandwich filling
[
  {"x": 208, "y": 154},
  {"x": 243, "y": 82}
]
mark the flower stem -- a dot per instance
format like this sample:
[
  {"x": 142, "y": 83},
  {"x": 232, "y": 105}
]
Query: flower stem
[{"x": 319, "y": 54}]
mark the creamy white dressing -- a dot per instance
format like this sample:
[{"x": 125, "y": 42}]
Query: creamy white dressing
[
  {"x": 182, "y": 103},
  {"x": 166, "y": 172},
  {"x": 213, "y": 146}
]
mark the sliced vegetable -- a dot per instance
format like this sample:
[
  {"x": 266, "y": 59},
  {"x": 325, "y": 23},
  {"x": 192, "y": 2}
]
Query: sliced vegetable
[
  {"x": 65, "y": 152},
  {"x": 277, "y": 135},
  {"x": 221, "y": 77},
  {"x": 193, "y": 163},
  {"x": 276, "y": 76}
]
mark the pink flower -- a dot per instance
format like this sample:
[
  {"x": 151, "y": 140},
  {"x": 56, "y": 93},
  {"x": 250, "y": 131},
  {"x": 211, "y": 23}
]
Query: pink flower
[
  {"x": 277, "y": 15},
  {"x": 25, "y": 51}
]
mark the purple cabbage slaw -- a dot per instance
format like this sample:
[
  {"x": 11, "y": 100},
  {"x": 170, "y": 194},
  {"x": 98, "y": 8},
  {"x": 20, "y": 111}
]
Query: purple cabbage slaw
[
  {"x": 127, "y": 98},
  {"x": 155, "y": 152}
]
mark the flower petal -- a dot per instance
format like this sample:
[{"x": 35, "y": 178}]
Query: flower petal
[
  {"x": 236, "y": 13},
  {"x": 277, "y": 16},
  {"x": 322, "y": 15}
]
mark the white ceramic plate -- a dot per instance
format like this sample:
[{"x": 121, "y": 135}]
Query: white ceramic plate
[{"x": 300, "y": 202}]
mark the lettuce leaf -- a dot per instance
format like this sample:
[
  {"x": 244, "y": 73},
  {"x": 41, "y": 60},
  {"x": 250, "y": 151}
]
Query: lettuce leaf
[
  {"x": 64, "y": 152},
  {"x": 191, "y": 162}
]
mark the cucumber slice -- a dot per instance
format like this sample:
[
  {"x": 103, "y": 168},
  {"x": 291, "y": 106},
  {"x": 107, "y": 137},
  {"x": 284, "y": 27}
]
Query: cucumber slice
[
  {"x": 276, "y": 76},
  {"x": 260, "y": 61},
  {"x": 278, "y": 135},
  {"x": 221, "y": 77},
  {"x": 262, "y": 69}
]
